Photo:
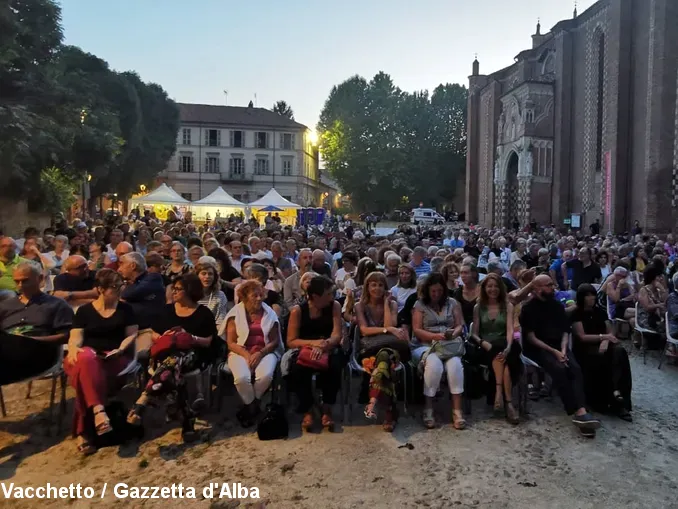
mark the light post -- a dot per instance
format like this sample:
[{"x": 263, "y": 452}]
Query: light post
[{"x": 114, "y": 203}]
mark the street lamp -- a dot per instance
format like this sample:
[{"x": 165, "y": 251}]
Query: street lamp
[{"x": 142, "y": 188}]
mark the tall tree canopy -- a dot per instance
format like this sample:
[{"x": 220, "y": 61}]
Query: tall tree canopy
[
  {"x": 284, "y": 109},
  {"x": 385, "y": 146},
  {"x": 63, "y": 108}
]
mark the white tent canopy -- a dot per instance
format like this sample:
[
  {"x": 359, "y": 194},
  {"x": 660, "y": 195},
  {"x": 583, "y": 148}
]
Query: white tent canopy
[
  {"x": 163, "y": 194},
  {"x": 219, "y": 198},
  {"x": 273, "y": 199}
]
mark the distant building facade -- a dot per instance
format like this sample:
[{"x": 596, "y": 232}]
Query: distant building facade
[
  {"x": 245, "y": 150},
  {"x": 584, "y": 122}
]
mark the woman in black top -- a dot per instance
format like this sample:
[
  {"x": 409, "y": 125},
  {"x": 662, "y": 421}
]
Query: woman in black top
[
  {"x": 467, "y": 294},
  {"x": 316, "y": 324},
  {"x": 99, "y": 348},
  {"x": 230, "y": 278},
  {"x": 170, "y": 366},
  {"x": 604, "y": 362}
]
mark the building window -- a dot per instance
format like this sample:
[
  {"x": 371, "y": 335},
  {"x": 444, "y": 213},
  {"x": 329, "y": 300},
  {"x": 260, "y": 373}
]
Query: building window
[
  {"x": 212, "y": 163},
  {"x": 238, "y": 139},
  {"x": 286, "y": 141},
  {"x": 288, "y": 198},
  {"x": 186, "y": 163},
  {"x": 260, "y": 140},
  {"x": 236, "y": 167},
  {"x": 212, "y": 137},
  {"x": 238, "y": 197},
  {"x": 187, "y": 196},
  {"x": 287, "y": 167},
  {"x": 261, "y": 166},
  {"x": 185, "y": 136}
]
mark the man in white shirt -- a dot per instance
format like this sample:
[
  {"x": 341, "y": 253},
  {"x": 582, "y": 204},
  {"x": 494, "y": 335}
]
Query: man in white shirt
[
  {"x": 255, "y": 249},
  {"x": 236, "y": 255},
  {"x": 116, "y": 238}
]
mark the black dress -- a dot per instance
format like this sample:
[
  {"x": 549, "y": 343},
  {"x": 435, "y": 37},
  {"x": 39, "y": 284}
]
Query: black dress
[
  {"x": 201, "y": 323},
  {"x": 467, "y": 306},
  {"x": 603, "y": 373},
  {"x": 301, "y": 377}
]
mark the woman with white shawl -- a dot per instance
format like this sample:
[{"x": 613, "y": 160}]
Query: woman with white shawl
[{"x": 254, "y": 342}]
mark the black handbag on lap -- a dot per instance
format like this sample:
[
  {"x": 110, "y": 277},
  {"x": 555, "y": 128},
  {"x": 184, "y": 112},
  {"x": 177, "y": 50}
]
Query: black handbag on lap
[{"x": 370, "y": 345}]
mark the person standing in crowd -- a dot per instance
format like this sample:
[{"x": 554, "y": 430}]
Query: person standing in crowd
[
  {"x": 603, "y": 360},
  {"x": 34, "y": 327},
  {"x": 316, "y": 324},
  {"x": 99, "y": 347},
  {"x": 438, "y": 318},
  {"x": 545, "y": 334}
]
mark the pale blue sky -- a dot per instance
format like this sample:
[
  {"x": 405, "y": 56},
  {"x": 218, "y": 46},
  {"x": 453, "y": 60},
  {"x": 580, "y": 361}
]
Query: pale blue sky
[{"x": 297, "y": 50}]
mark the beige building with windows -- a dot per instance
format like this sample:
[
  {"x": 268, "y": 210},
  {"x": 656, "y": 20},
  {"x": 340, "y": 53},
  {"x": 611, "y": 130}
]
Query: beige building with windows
[{"x": 245, "y": 150}]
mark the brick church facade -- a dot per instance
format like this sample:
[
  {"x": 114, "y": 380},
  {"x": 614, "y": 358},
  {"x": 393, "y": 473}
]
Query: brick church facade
[{"x": 584, "y": 122}]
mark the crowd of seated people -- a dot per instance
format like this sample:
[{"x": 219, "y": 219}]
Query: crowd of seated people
[{"x": 418, "y": 299}]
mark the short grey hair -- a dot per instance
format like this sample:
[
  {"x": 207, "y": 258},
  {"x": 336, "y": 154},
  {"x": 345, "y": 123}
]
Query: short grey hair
[
  {"x": 420, "y": 251},
  {"x": 437, "y": 263},
  {"x": 62, "y": 238},
  {"x": 137, "y": 259},
  {"x": 495, "y": 265},
  {"x": 30, "y": 267},
  {"x": 394, "y": 257},
  {"x": 675, "y": 282},
  {"x": 176, "y": 243}
]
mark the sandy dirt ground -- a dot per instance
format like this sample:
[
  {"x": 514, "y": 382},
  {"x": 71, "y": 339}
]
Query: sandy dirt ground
[{"x": 541, "y": 463}]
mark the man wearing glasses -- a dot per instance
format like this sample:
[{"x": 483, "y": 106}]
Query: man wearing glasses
[
  {"x": 9, "y": 259},
  {"x": 76, "y": 284},
  {"x": 33, "y": 326}
]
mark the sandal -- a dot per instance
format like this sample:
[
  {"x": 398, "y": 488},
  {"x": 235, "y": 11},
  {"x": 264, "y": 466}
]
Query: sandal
[
  {"x": 389, "y": 421},
  {"x": 458, "y": 420},
  {"x": 103, "y": 427},
  {"x": 429, "y": 420},
  {"x": 511, "y": 416},
  {"x": 307, "y": 422},
  {"x": 327, "y": 422},
  {"x": 369, "y": 412},
  {"x": 85, "y": 447}
]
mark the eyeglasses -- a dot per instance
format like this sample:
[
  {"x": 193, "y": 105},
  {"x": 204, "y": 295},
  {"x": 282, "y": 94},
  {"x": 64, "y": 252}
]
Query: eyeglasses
[{"x": 177, "y": 289}]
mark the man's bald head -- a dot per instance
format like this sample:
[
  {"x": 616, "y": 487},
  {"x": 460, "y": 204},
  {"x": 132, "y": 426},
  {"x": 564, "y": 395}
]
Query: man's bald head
[
  {"x": 543, "y": 287},
  {"x": 122, "y": 249}
]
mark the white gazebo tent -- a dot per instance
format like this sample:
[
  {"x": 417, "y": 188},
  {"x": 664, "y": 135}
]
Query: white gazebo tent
[
  {"x": 272, "y": 201},
  {"x": 218, "y": 202},
  {"x": 160, "y": 200}
]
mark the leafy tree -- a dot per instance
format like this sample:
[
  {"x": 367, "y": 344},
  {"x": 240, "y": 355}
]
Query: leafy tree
[
  {"x": 284, "y": 109},
  {"x": 57, "y": 190},
  {"x": 382, "y": 144}
]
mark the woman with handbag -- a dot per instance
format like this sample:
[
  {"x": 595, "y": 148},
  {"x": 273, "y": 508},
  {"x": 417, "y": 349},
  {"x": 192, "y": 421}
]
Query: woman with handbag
[
  {"x": 315, "y": 328},
  {"x": 437, "y": 324},
  {"x": 172, "y": 356},
  {"x": 377, "y": 315},
  {"x": 252, "y": 332},
  {"x": 493, "y": 331}
]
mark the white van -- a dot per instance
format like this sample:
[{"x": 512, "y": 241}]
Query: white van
[{"x": 426, "y": 216}]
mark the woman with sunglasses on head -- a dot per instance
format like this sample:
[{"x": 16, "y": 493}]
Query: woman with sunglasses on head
[
  {"x": 170, "y": 365},
  {"x": 99, "y": 347}
]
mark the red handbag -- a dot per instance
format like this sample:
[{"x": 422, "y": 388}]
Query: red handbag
[
  {"x": 305, "y": 359},
  {"x": 167, "y": 343}
]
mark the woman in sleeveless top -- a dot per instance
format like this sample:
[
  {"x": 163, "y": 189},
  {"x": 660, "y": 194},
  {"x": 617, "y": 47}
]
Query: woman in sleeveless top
[
  {"x": 377, "y": 316},
  {"x": 316, "y": 323},
  {"x": 620, "y": 296},
  {"x": 436, "y": 318},
  {"x": 493, "y": 331},
  {"x": 467, "y": 294}
]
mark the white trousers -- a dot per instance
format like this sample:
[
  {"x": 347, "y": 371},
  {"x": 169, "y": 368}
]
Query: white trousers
[
  {"x": 242, "y": 376},
  {"x": 434, "y": 369}
]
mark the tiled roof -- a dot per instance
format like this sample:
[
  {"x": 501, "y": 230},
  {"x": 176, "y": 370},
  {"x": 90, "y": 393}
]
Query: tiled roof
[{"x": 234, "y": 115}]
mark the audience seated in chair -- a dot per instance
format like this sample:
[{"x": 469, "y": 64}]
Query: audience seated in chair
[
  {"x": 104, "y": 332},
  {"x": 545, "y": 339},
  {"x": 34, "y": 327},
  {"x": 604, "y": 362},
  {"x": 252, "y": 332},
  {"x": 316, "y": 324},
  {"x": 438, "y": 318}
]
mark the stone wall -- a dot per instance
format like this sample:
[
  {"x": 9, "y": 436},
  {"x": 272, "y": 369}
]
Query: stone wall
[{"x": 15, "y": 218}]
